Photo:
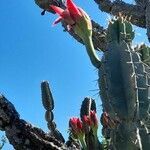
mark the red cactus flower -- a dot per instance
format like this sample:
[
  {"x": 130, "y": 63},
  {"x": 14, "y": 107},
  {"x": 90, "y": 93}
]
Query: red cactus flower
[
  {"x": 69, "y": 15},
  {"x": 94, "y": 119},
  {"x": 75, "y": 125},
  {"x": 78, "y": 20},
  {"x": 91, "y": 120},
  {"x": 75, "y": 18},
  {"x": 86, "y": 120},
  {"x": 107, "y": 122},
  {"x": 104, "y": 119},
  {"x": 79, "y": 124},
  {"x": 76, "y": 129}
]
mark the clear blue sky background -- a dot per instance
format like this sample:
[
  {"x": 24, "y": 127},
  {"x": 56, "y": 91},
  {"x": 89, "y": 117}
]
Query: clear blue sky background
[{"x": 31, "y": 51}]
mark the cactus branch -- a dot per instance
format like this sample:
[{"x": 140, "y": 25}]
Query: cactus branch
[
  {"x": 148, "y": 19},
  {"x": 48, "y": 103},
  {"x": 126, "y": 96},
  {"x": 21, "y": 134},
  {"x": 136, "y": 13}
]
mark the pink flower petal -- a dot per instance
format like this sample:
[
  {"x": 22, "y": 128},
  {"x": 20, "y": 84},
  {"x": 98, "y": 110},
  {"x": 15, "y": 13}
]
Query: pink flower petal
[
  {"x": 73, "y": 9},
  {"x": 87, "y": 120},
  {"x": 58, "y": 10},
  {"x": 93, "y": 117},
  {"x": 79, "y": 124},
  {"x": 57, "y": 21}
]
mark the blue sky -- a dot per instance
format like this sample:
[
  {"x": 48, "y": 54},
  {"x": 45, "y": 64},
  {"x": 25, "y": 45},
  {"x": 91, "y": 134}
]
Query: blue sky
[{"x": 32, "y": 50}]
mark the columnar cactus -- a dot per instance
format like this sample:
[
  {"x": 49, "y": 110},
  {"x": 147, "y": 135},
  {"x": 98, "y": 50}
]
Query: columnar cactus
[
  {"x": 48, "y": 103},
  {"x": 124, "y": 82}
]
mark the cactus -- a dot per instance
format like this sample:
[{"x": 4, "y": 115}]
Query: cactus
[
  {"x": 124, "y": 81},
  {"x": 48, "y": 103},
  {"x": 144, "y": 52},
  {"x": 88, "y": 104},
  {"x": 124, "y": 88},
  {"x": 85, "y": 131}
]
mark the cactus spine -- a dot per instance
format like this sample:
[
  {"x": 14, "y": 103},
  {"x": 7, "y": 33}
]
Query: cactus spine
[{"x": 124, "y": 82}]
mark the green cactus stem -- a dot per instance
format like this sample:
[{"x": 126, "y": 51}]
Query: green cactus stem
[
  {"x": 82, "y": 142},
  {"x": 124, "y": 83},
  {"x": 144, "y": 52},
  {"x": 91, "y": 139},
  {"x": 48, "y": 103},
  {"x": 47, "y": 98},
  {"x": 88, "y": 104},
  {"x": 91, "y": 52}
]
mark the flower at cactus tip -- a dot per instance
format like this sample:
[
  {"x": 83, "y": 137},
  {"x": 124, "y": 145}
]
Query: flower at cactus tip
[
  {"x": 107, "y": 122},
  {"x": 86, "y": 120},
  {"x": 94, "y": 119},
  {"x": 75, "y": 18},
  {"x": 76, "y": 126},
  {"x": 91, "y": 120}
]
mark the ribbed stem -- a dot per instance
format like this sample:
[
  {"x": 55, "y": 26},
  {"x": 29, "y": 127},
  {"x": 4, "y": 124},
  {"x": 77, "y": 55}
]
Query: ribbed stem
[
  {"x": 96, "y": 141},
  {"x": 91, "y": 52},
  {"x": 82, "y": 142}
]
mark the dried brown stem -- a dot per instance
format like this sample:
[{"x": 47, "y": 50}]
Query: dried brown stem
[
  {"x": 23, "y": 135},
  {"x": 136, "y": 13}
]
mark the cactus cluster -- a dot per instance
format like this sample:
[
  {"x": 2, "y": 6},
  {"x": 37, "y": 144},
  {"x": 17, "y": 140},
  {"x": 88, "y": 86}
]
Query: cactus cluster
[
  {"x": 124, "y": 83},
  {"x": 82, "y": 133}
]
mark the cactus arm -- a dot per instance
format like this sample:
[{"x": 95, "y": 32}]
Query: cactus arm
[
  {"x": 125, "y": 87},
  {"x": 88, "y": 104},
  {"x": 147, "y": 15},
  {"x": 48, "y": 103},
  {"x": 91, "y": 52},
  {"x": 136, "y": 13}
]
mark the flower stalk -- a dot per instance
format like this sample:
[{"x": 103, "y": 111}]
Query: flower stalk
[
  {"x": 81, "y": 139},
  {"x": 91, "y": 52},
  {"x": 78, "y": 20}
]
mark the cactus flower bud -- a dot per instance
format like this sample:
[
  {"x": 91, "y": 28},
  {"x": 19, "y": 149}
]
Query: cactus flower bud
[
  {"x": 91, "y": 121},
  {"x": 75, "y": 17},
  {"x": 86, "y": 120},
  {"x": 75, "y": 126},
  {"x": 107, "y": 122},
  {"x": 76, "y": 129},
  {"x": 94, "y": 119},
  {"x": 80, "y": 22}
]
